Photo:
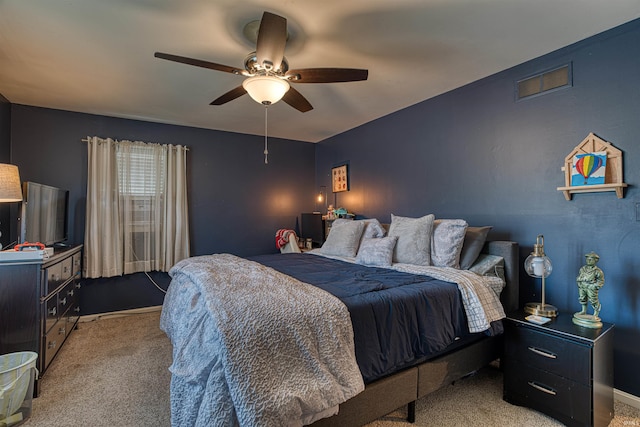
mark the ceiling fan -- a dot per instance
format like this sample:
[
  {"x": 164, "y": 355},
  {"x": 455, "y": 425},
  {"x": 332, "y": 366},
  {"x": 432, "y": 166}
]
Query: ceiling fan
[{"x": 268, "y": 70}]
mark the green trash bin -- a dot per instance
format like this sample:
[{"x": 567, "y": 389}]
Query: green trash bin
[{"x": 17, "y": 374}]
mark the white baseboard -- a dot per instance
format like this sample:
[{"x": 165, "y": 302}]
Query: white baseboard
[
  {"x": 122, "y": 313},
  {"x": 627, "y": 398}
]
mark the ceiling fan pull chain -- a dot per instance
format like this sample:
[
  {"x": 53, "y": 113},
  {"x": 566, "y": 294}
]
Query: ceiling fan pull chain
[{"x": 266, "y": 149}]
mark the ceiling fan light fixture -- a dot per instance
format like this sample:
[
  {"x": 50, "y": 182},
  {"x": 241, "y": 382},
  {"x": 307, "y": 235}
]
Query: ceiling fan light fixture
[{"x": 265, "y": 90}]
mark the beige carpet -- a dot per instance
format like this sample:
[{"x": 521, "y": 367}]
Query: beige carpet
[{"x": 113, "y": 372}]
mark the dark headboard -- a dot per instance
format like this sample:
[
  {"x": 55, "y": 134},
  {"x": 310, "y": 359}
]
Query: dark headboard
[{"x": 509, "y": 251}]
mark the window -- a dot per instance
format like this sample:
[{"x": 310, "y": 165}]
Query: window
[{"x": 136, "y": 214}]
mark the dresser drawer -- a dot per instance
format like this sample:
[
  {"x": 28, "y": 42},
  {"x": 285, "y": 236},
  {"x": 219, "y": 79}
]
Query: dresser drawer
[
  {"x": 66, "y": 297},
  {"x": 59, "y": 273},
  {"x": 52, "y": 314},
  {"x": 548, "y": 393},
  {"x": 71, "y": 293},
  {"x": 567, "y": 358},
  {"x": 54, "y": 277},
  {"x": 67, "y": 268},
  {"x": 77, "y": 264},
  {"x": 53, "y": 341}
]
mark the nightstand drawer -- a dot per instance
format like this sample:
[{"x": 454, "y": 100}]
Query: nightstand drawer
[
  {"x": 554, "y": 354},
  {"x": 548, "y": 393}
]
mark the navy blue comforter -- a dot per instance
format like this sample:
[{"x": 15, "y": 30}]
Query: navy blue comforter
[{"x": 399, "y": 319}]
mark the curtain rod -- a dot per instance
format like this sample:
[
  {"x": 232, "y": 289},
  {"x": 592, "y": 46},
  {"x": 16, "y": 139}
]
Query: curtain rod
[{"x": 185, "y": 147}]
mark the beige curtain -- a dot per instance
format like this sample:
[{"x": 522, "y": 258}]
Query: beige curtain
[{"x": 137, "y": 217}]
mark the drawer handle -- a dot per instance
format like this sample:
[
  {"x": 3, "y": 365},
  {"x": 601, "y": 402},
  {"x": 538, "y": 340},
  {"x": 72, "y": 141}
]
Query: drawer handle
[
  {"x": 78, "y": 285},
  {"x": 543, "y": 353},
  {"x": 70, "y": 293},
  {"x": 76, "y": 309},
  {"x": 63, "y": 301},
  {"x": 542, "y": 388},
  {"x": 62, "y": 331},
  {"x": 52, "y": 344},
  {"x": 53, "y": 311}
]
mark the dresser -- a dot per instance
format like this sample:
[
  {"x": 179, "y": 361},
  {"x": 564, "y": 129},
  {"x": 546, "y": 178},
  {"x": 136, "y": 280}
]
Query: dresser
[
  {"x": 560, "y": 369},
  {"x": 39, "y": 304}
]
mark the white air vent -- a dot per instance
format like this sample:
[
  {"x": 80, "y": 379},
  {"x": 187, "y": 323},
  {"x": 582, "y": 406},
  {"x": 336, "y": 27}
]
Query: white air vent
[{"x": 547, "y": 81}]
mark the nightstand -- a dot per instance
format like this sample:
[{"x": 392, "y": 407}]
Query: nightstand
[{"x": 560, "y": 369}]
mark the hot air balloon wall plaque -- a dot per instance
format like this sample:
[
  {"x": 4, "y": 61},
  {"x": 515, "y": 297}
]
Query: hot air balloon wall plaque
[
  {"x": 593, "y": 166},
  {"x": 589, "y": 168}
]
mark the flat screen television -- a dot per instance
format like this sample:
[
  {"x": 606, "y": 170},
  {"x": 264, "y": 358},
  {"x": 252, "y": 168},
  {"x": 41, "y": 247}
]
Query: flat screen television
[{"x": 44, "y": 214}]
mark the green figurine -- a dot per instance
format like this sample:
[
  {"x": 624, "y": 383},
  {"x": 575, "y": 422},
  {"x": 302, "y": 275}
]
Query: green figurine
[{"x": 590, "y": 279}]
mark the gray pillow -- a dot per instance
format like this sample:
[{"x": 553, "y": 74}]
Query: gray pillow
[
  {"x": 446, "y": 244},
  {"x": 489, "y": 265},
  {"x": 377, "y": 252},
  {"x": 474, "y": 240},
  {"x": 372, "y": 227},
  {"x": 343, "y": 239},
  {"x": 414, "y": 239}
]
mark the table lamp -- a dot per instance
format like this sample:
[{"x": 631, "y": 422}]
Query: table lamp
[
  {"x": 539, "y": 265},
  {"x": 10, "y": 190}
]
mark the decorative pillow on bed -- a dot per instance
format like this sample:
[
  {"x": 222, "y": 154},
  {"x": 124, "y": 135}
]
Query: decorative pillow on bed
[
  {"x": 372, "y": 227},
  {"x": 377, "y": 252},
  {"x": 343, "y": 239},
  {"x": 414, "y": 239},
  {"x": 489, "y": 265},
  {"x": 474, "y": 240},
  {"x": 446, "y": 243}
]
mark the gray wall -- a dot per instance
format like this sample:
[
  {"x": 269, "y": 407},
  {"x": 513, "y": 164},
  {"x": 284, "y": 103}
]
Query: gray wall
[{"x": 476, "y": 153}]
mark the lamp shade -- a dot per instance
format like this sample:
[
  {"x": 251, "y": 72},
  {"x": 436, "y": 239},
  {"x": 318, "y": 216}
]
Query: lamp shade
[
  {"x": 265, "y": 89},
  {"x": 10, "y": 190},
  {"x": 538, "y": 266}
]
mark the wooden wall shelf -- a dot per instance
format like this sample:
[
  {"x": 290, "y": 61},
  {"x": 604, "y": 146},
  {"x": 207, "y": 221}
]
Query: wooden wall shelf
[
  {"x": 568, "y": 191},
  {"x": 613, "y": 173}
]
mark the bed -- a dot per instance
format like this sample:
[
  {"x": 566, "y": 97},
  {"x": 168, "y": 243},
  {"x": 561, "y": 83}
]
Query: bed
[{"x": 295, "y": 339}]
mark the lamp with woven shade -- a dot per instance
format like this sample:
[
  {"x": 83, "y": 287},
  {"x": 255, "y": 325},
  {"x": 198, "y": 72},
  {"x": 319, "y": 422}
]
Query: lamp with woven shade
[{"x": 10, "y": 190}]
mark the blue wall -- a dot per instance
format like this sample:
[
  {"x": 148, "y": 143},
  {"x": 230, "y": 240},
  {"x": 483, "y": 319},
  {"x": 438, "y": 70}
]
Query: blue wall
[
  {"x": 473, "y": 153},
  {"x": 236, "y": 202},
  {"x": 476, "y": 153}
]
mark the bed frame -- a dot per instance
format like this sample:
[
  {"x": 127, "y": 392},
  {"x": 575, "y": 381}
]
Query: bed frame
[{"x": 405, "y": 387}]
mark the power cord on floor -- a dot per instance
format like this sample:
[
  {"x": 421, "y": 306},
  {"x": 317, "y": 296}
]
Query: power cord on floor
[{"x": 154, "y": 282}]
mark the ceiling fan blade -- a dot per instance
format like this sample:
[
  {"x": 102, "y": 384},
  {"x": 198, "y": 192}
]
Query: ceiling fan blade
[
  {"x": 229, "y": 96},
  {"x": 199, "y": 63},
  {"x": 272, "y": 39},
  {"x": 327, "y": 75},
  {"x": 296, "y": 100}
]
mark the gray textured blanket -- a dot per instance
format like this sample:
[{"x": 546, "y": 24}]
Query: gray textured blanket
[{"x": 254, "y": 347}]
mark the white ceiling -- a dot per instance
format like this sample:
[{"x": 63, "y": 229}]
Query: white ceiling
[{"x": 96, "y": 56}]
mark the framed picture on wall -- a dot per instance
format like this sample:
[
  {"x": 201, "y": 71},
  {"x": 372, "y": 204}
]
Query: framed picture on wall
[{"x": 340, "y": 178}]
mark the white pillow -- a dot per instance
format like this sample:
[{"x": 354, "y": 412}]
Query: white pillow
[
  {"x": 446, "y": 243},
  {"x": 414, "y": 239},
  {"x": 343, "y": 239}
]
